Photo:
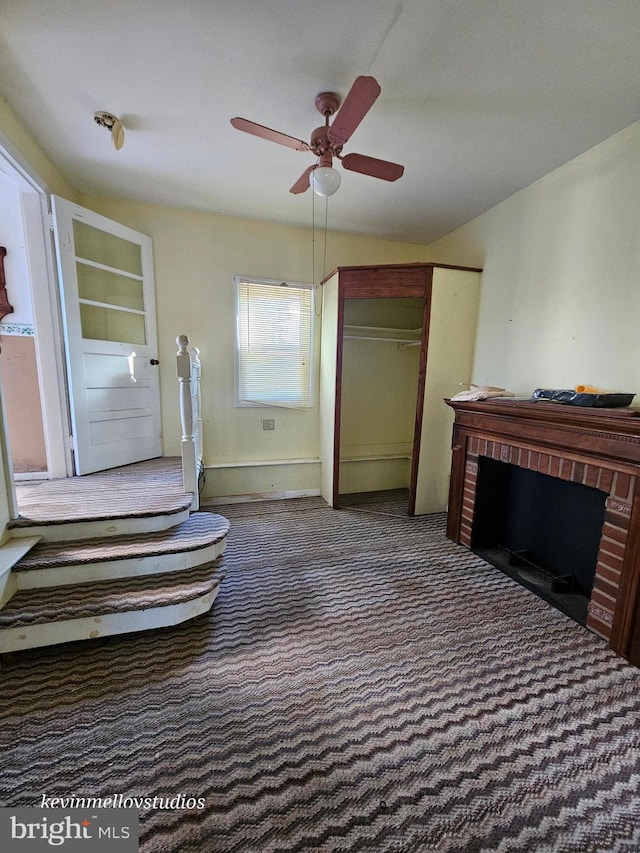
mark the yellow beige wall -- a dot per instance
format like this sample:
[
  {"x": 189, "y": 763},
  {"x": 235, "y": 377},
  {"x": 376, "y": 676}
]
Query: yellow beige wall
[
  {"x": 196, "y": 255},
  {"x": 560, "y": 299},
  {"x": 21, "y": 146}
]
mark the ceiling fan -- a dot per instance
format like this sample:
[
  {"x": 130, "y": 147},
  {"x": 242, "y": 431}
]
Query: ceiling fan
[{"x": 327, "y": 140}]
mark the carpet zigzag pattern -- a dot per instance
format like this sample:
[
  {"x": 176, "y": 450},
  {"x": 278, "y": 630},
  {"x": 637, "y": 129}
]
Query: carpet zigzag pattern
[{"x": 360, "y": 684}]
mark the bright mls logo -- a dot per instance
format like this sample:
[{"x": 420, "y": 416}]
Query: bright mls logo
[{"x": 80, "y": 830}]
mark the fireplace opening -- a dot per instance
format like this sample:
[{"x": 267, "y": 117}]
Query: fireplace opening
[{"x": 544, "y": 532}]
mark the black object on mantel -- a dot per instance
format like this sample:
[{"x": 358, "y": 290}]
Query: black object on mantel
[{"x": 575, "y": 398}]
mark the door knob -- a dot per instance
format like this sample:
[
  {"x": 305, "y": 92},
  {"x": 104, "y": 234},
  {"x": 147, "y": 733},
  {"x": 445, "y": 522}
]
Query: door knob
[{"x": 154, "y": 361}]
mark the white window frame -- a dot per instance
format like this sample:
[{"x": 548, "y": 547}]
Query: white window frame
[{"x": 276, "y": 402}]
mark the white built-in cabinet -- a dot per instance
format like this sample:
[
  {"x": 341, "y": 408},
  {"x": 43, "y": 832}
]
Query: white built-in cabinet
[{"x": 396, "y": 341}]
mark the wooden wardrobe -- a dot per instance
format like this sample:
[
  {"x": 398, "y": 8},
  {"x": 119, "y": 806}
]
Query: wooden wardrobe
[{"x": 442, "y": 342}]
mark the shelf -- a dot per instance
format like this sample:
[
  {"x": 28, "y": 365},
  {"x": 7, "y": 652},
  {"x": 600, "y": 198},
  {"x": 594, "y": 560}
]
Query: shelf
[
  {"x": 110, "y": 306},
  {"x": 382, "y": 458},
  {"x": 409, "y": 337},
  {"x": 105, "y": 268}
]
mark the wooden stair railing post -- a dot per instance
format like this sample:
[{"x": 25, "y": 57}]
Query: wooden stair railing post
[
  {"x": 190, "y": 462},
  {"x": 196, "y": 403}
]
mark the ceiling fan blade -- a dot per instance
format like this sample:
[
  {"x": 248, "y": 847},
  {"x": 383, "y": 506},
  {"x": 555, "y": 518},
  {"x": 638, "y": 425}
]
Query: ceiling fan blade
[
  {"x": 372, "y": 166},
  {"x": 355, "y": 106},
  {"x": 302, "y": 184},
  {"x": 266, "y": 133}
]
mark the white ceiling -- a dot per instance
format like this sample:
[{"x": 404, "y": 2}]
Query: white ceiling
[{"x": 479, "y": 98}]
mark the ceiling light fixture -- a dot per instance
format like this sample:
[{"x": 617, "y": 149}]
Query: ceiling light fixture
[
  {"x": 113, "y": 124},
  {"x": 324, "y": 180}
]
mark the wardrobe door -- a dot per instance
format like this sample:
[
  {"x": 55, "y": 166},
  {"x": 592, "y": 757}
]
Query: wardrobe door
[
  {"x": 454, "y": 309},
  {"x": 330, "y": 360}
]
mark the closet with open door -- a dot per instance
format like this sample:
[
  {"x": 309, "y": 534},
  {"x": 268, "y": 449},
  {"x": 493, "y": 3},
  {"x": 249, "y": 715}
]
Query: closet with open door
[{"x": 396, "y": 341}]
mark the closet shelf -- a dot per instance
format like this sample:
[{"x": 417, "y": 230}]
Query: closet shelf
[
  {"x": 410, "y": 337},
  {"x": 375, "y": 457}
]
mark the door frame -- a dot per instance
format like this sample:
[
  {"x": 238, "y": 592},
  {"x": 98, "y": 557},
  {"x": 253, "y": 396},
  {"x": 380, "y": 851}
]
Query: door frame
[
  {"x": 375, "y": 282},
  {"x": 35, "y": 204}
]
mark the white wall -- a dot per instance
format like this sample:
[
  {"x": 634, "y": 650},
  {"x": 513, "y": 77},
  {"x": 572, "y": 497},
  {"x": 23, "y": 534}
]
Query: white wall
[
  {"x": 15, "y": 262},
  {"x": 560, "y": 299}
]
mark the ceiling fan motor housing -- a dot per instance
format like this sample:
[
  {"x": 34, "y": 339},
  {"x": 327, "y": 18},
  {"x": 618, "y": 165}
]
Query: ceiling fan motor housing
[
  {"x": 320, "y": 143},
  {"x": 327, "y": 103}
]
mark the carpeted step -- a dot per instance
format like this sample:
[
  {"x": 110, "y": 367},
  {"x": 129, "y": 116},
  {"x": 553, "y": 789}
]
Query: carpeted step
[
  {"x": 144, "y": 497},
  {"x": 151, "y": 515},
  {"x": 52, "y": 615},
  {"x": 201, "y": 538}
]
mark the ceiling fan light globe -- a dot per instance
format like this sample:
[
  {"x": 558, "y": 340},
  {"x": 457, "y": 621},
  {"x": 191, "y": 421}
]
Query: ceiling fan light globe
[{"x": 324, "y": 180}]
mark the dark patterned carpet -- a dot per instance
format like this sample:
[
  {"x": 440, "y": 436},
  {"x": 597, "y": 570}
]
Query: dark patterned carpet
[
  {"x": 361, "y": 684},
  {"x": 388, "y": 502}
]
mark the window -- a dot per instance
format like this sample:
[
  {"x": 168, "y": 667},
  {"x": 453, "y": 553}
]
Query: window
[{"x": 274, "y": 343}]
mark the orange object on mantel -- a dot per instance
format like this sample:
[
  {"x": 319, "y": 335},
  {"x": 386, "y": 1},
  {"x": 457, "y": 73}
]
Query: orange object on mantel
[{"x": 589, "y": 389}]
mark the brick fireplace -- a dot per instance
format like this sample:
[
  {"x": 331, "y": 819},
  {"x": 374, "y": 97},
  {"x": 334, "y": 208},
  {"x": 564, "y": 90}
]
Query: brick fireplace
[{"x": 599, "y": 448}]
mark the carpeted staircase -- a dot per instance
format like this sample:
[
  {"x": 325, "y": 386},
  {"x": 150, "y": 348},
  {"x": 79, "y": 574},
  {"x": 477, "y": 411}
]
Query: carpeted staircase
[{"x": 108, "y": 553}]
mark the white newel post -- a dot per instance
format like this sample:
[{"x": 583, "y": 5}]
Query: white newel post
[
  {"x": 190, "y": 464},
  {"x": 195, "y": 403}
]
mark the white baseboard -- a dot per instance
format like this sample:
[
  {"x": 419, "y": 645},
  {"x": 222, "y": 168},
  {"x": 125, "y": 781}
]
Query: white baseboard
[
  {"x": 31, "y": 475},
  {"x": 261, "y": 463},
  {"x": 260, "y": 496}
]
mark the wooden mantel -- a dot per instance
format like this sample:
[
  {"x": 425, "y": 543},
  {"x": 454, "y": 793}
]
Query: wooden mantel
[{"x": 592, "y": 446}]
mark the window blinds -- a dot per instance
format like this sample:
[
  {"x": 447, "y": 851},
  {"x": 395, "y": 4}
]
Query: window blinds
[{"x": 274, "y": 343}]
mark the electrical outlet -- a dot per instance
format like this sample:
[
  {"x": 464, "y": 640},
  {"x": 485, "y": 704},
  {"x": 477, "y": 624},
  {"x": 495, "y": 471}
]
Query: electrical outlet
[{"x": 268, "y": 423}]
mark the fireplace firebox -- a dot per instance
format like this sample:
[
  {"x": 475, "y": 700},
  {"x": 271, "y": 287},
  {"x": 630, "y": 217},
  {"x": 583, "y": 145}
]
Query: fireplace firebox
[
  {"x": 551, "y": 495},
  {"x": 542, "y": 531}
]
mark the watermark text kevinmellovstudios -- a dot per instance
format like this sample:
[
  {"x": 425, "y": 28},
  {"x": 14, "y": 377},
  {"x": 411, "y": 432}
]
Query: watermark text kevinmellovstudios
[{"x": 122, "y": 801}]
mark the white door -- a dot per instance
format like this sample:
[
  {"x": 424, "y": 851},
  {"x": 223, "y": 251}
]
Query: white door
[{"x": 109, "y": 323}]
